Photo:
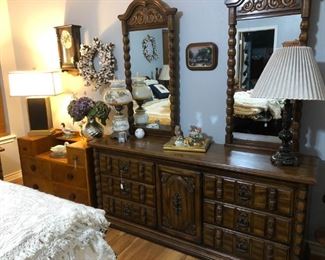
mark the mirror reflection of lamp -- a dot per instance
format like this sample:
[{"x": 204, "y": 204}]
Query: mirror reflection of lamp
[
  {"x": 164, "y": 75},
  {"x": 293, "y": 74},
  {"x": 140, "y": 92},
  {"x": 37, "y": 86}
]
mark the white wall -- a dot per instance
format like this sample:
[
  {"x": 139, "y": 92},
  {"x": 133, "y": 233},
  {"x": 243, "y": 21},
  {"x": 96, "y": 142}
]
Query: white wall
[{"x": 202, "y": 93}]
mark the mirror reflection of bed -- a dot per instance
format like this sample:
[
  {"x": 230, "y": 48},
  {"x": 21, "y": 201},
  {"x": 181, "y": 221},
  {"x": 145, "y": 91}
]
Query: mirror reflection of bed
[
  {"x": 259, "y": 119},
  {"x": 158, "y": 105}
]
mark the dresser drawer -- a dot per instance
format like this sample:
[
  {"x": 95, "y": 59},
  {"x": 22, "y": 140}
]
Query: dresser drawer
[
  {"x": 69, "y": 175},
  {"x": 130, "y": 190},
  {"x": 127, "y": 168},
  {"x": 257, "y": 195},
  {"x": 35, "y": 145},
  {"x": 252, "y": 222},
  {"x": 33, "y": 167},
  {"x": 71, "y": 193},
  {"x": 243, "y": 246},
  {"x": 133, "y": 212},
  {"x": 38, "y": 184},
  {"x": 76, "y": 157}
]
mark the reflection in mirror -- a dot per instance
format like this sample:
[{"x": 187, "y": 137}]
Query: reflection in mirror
[
  {"x": 147, "y": 58},
  {"x": 259, "y": 119}
]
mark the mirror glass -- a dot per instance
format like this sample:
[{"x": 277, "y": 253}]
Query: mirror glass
[
  {"x": 259, "y": 119},
  {"x": 149, "y": 55}
]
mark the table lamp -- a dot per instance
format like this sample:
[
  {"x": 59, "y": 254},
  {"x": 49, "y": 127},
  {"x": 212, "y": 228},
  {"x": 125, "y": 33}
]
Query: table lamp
[
  {"x": 291, "y": 73},
  {"x": 164, "y": 75},
  {"x": 36, "y": 86}
]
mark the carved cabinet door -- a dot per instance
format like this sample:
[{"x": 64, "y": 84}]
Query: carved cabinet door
[{"x": 179, "y": 199}]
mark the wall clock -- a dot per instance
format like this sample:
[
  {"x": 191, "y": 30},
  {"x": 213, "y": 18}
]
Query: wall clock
[{"x": 68, "y": 37}]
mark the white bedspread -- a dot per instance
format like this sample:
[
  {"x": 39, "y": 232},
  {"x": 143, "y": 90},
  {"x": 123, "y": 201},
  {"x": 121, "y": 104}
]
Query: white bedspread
[{"x": 35, "y": 225}]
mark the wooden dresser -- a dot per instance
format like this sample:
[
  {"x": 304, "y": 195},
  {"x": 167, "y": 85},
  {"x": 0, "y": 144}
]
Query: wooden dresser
[
  {"x": 70, "y": 177},
  {"x": 224, "y": 203}
]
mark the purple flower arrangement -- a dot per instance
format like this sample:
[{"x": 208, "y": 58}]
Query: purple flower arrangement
[{"x": 83, "y": 107}]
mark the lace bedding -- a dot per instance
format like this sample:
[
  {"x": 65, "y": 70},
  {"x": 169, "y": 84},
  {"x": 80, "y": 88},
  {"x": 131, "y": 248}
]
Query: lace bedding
[{"x": 35, "y": 225}]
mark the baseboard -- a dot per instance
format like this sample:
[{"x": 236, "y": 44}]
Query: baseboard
[
  {"x": 14, "y": 176},
  {"x": 316, "y": 249}
]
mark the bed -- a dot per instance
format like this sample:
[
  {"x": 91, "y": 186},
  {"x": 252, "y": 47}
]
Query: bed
[
  {"x": 35, "y": 225},
  {"x": 257, "y": 115}
]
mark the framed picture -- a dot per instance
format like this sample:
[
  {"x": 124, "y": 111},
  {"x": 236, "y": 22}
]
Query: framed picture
[{"x": 201, "y": 56}]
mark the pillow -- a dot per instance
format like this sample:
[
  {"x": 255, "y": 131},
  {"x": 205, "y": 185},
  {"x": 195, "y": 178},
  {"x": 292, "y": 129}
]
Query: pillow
[
  {"x": 159, "y": 91},
  {"x": 151, "y": 82}
]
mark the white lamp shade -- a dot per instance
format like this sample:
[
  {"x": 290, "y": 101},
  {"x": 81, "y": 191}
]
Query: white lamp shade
[
  {"x": 291, "y": 73},
  {"x": 35, "y": 83},
  {"x": 164, "y": 74}
]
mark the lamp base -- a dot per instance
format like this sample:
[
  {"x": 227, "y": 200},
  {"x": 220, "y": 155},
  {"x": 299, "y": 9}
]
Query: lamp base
[{"x": 285, "y": 159}]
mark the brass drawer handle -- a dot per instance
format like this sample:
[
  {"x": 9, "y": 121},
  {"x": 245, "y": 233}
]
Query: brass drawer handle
[
  {"x": 33, "y": 167},
  {"x": 72, "y": 196},
  {"x": 70, "y": 176}
]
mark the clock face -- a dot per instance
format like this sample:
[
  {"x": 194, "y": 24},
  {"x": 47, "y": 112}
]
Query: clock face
[{"x": 66, "y": 39}]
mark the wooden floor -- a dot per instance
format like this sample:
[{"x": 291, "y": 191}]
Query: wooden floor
[{"x": 128, "y": 247}]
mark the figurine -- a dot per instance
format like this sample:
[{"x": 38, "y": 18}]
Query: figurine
[
  {"x": 59, "y": 150},
  {"x": 67, "y": 133},
  {"x": 179, "y": 140}
]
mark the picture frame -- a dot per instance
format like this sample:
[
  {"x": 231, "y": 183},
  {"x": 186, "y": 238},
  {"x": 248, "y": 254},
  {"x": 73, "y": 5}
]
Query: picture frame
[{"x": 201, "y": 56}]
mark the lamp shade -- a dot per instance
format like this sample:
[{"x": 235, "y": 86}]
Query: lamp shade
[
  {"x": 291, "y": 73},
  {"x": 164, "y": 74},
  {"x": 35, "y": 83}
]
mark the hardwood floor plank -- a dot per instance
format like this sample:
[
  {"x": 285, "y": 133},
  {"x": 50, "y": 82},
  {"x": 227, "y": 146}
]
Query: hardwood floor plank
[{"x": 129, "y": 247}]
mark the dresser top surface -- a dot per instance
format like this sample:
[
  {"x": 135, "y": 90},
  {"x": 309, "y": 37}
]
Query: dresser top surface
[{"x": 251, "y": 162}]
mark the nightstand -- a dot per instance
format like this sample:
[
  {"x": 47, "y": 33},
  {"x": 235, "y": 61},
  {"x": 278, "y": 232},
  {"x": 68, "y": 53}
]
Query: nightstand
[{"x": 70, "y": 177}]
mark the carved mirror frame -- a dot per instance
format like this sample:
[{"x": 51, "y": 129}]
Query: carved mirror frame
[
  {"x": 255, "y": 9},
  {"x": 152, "y": 14}
]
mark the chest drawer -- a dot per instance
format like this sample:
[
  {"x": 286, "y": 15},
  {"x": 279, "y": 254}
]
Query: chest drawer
[
  {"x": 252, "y": 222},
  {"x": 257, "y": 195},
  {"x": 71, "y": 193},
  {"x": 243, "y": 246},
  {"x": 130, "y": 190},
  {"x": 69, "y": 175},
  {"x": 76, "y": 157},
  {"x": 133, "y": 169},
  {"x": 130, "y": 211},
  {"x": 38, "y": 184},
  {"x": 32, "y": 167}
]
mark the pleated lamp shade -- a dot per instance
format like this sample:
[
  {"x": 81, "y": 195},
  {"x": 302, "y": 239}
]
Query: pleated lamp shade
[{"x": 291, "y": 73}]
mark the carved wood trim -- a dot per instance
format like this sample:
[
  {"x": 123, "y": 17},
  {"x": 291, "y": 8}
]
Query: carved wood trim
[
  {"x": 98, "y": 180},
  {"x": 299, "y": 221}
]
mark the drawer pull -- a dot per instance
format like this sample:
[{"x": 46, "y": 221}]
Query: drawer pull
[
  {"x": 244, "y": 193},
  {"x": 72, "y": 196},
  {"x": 127, "y": 211},
  {"x": 33, "y": 167},
  {"x": 242, "y": 245},
  {"x": 242, "y": 221},
  {"x": 70, "y": 176},
  {"x": 24, "y": 149},
  {"x": 35, "y": 186}
]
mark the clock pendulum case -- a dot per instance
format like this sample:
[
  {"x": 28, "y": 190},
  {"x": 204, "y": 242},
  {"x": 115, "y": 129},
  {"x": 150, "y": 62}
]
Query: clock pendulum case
[{"x": 68, "y": 37}]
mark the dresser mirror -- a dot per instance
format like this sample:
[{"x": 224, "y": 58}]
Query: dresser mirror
[
  {"x": 150, "y": 54},
  {"x": 256, "y": 28}
]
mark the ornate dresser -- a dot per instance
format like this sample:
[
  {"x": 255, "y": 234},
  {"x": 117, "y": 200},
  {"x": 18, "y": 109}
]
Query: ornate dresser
[{"x": 228, "y": 203}]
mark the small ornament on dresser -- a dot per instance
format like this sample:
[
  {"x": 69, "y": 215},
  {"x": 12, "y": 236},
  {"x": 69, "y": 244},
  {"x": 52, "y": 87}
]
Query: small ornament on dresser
[
  {"x": 196, "y": 141},
  {"x": 85, "y": 107},
  {"x": 139, "y": 133}
]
